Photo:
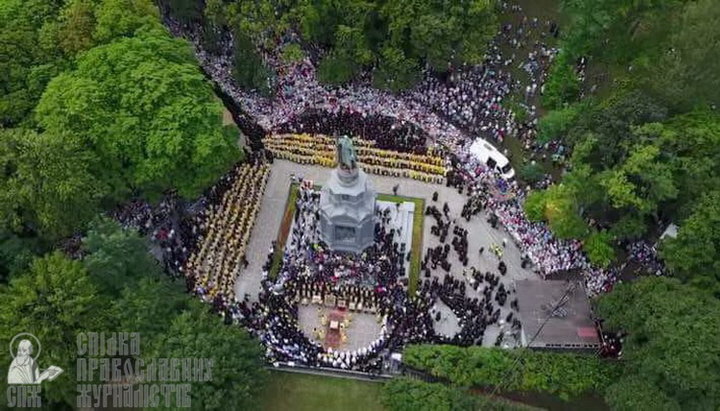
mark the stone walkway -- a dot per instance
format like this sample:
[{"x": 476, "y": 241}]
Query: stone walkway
[{"x": 480, "y": 233}]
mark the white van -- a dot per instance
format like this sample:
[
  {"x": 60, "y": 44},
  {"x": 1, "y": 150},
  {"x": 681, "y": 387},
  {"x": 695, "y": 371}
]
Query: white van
[{"x": 490, "y": 156}]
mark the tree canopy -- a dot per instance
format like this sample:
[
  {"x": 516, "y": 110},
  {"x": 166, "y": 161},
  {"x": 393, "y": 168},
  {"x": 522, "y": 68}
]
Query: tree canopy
[
  {"x": 49, "y": 185},
  {"x": 53, "y": 300},
  {"x": 396, "y": 38},
  {"x": 672, "y": 343},
  {"x": 97, "y": 101},
  {"x": 238, "y": 371},
  {"x": 146, "y": 112}
]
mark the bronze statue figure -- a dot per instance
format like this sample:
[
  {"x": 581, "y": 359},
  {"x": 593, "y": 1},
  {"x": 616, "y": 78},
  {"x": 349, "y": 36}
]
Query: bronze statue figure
[{"x": 347, "y": 158}]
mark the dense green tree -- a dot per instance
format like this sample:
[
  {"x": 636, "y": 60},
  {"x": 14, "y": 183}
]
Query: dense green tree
[
  {"x": 48, "y": 185},
  {"x": 26, "y": 62},
  {"x": 148, "y": 306},
  {"x": 237, "y": 373},
  {"x": 248, "y": 68},
  {"x": 187, "y": 11},
  {"x": 565, "y": 375},
  {"x": 611, "y": 123},
  {"x": 117, "y": 258},
  {"x": 76, "y": 27},
  {"x": 54, "y": 301},
  {"x": 555, "y": 124},
  {"x": 394, "y": 37},
  {"x": 143, "y": 107},
  {"x": 618, "y": 30},
  {"x": 336, "y": 69},
  {"x": 531, "y": 172},
  {"x": 535, "y": 204},
  {"x": 17, "y": 253},
  {"x": 562, "y": 212},
  {"x": 673, "y": 340},
  {"x": 694, "y": 255},
  {"x": 690, "y": 143},
  {"x": 440, "y": 33},
  {"x": 632, "y": 393},
  {"x": 687, "y": 73},
  {"x": 599, "y": 248},
  {"x": 562, "y": 85},
  {"x": 396, "y": 72},
  {"x": 126, "y": 18}
]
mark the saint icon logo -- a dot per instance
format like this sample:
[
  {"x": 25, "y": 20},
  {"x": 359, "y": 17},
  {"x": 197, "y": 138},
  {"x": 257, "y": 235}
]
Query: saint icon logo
[{"x": 24, "y": 368}]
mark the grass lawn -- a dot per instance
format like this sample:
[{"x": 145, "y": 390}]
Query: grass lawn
[
  {"x": 300, "y": 392},
  {"x": 417, "y": 236}
]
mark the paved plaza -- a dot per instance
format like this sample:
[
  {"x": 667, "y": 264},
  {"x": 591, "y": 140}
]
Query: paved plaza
[
  {"x": 480, "y": 233},
  {"x": 363, "y": 328}
]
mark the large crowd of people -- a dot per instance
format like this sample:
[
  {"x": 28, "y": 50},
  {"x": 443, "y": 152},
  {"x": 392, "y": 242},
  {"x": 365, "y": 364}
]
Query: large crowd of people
[
  {"x": 427, "y": 128},
  {"x": 223, "y": 231},
  {"x": 320, "y": 149}
]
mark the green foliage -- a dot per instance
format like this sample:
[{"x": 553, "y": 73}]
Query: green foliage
[
  {"x": 248, "y": 68},
  {"x": 395, "y": 37},
  {"x": 404, "y": 394},
  {"x": 610, "y": 127},
  {"x": 565, "y": 375},
  {"x": 531, "y": 172},
  {"x": 238, "y": 371},
  {"x": 555, "y": 124},
  {"x": 336, "y": 69},
  {"x": 187, "y": 11},
  {"x": 76, "y": 26},
  {"x": 116, "y": 257},
  {"x": 145, "y": 110},
  {"x": 54, "y": 300},
  {"x": 126, "y": 18},
  {"x": 292, "y": 53},
  {"x": 690, "y": 143},
  {"x": 48, "y": 185},
  {"x": 562, "y": 85},
  {"x": 26, "y": 62},
  {"x": 559, "y": 207},
  {"x": 145, "y": 301},
  {"x": 16, "y": 254},
  {"x": 632, "y": 393},
  {"x": 687, "y": 72},
  {"x": 672, "y": 343},
  {"x": 694, "y": 255},
  {"x": 617, "y": 30},
  {"x": 629, "y": 227},
  {"x": 396, "y": 71},
  {"x": 535, "y": 204},
  {"x": 599, "y": 249}
]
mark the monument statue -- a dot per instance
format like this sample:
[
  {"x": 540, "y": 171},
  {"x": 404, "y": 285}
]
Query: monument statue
[
  {"x": 347, "y": 158},
  {"x": 347, "y": 204}
]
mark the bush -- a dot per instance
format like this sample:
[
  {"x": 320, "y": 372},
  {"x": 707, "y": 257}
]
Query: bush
[
  {"x": 599, "y": 249},
  {"x": 535, "y": 205},
  {"x": 531, "y": 172},
  {"x": 562, "y": 85},
  {"x": 556, "y": 123},
  {"x": 396, "y": 71},
  {"x": 292, "y": 53},
  {"x": 336, "y": 69},
  {"x": 248, "y": 68},
  {"x": 564, "y": 375}
]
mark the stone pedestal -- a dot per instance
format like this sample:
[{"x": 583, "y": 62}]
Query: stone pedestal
[{"x": 347, "y": 211}]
